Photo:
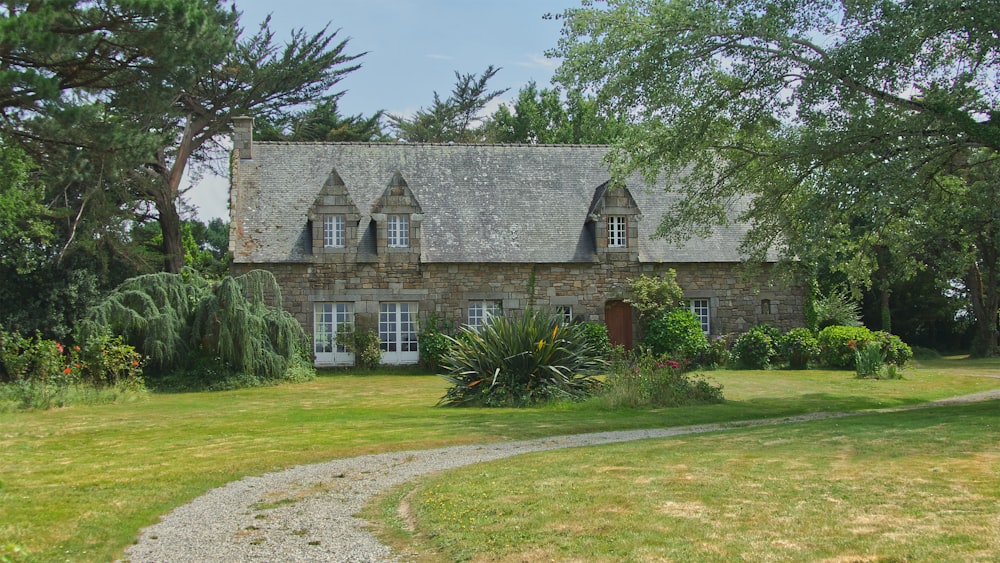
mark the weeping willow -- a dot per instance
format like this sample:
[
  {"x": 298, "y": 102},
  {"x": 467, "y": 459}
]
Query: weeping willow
[{"x": 177, "y": 319}]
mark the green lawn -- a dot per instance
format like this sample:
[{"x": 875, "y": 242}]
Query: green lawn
[{"x": 78, "y": 483}]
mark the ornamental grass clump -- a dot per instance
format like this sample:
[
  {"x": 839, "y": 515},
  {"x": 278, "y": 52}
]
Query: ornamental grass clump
[{"x": 520, "y": 361}]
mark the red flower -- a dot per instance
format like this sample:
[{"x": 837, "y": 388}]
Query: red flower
[
  {"x": 59, "y": 347},
  {"x": 67, "y": 371}
]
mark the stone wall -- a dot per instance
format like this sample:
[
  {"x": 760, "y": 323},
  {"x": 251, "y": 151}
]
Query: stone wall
[{"x": 737, "y": 300}]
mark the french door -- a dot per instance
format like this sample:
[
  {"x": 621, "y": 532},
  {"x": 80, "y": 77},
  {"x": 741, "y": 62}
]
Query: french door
[{"x": 397, "y": 329}]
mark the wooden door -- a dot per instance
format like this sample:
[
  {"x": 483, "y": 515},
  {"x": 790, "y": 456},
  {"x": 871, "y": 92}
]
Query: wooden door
[{"x": 618, "y": 317}]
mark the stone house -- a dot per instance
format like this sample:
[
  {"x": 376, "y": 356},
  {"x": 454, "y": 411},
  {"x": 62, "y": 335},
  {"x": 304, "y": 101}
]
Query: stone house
[{"x": 384, "y": 235}]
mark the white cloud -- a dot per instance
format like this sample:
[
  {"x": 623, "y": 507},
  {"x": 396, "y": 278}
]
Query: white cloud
[{"x": 539, "y": 61}]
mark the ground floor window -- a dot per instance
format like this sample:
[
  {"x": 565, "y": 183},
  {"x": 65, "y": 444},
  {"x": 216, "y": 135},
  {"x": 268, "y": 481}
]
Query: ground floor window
[
  {"x": 328, "y": 320},
  {"x": 481, "y": 311},
  {"x": 701, "y": 309},
  {"x": 565, "y": 312},
  {"x": 397, "y": 330}
]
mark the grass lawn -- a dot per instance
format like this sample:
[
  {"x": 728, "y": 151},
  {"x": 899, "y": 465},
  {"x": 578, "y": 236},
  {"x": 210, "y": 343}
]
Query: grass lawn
[{"x": 78, "y": 483}]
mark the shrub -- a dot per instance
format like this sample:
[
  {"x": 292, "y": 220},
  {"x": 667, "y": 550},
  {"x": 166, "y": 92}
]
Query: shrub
[
  {"x": 597, "y": 336},
  {"x": 365, "y": 344},
  {"x": 896, "y": 351},
  {"x": 520, "y": 361},
  {"x": 755, "y": 349},
  {"x": 717, "y": 353},
  {"x": 646, "y": 380},
  {"x": 798, "y": 347},
  {"x": 110, "y": 362},
  {"x": 836, "y": 309},
  {"x": 433, "y": 341},
  {"x": 676, "y": 333},
  {"x": 179, "y": 320},
  {"x": 838, "y": 344},
  {"x": 652, "y": 295}
]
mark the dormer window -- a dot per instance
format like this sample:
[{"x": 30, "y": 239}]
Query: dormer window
[
  {"x": 398, "y": 227},
  {"x": 333, "y": 231},
  {"x": 617, "y": 231}
]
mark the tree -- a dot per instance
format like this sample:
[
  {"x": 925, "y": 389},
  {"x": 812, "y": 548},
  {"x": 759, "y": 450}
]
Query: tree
[
  {"x": 58, "y": 46},
  {"x": 256, "y": 77},
  {"x": 547, "y": 117},
  {"x": 322, "y": 122},
  {"x": 456, "y": 119},
  {"x": 781, "y": 103}
]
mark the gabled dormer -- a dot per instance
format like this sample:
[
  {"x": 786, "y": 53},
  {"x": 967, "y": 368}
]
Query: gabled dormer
[
  {"x": 614, "y": 221},
  {"x": 334, "y": 220},
  {"x": 397, "y": 216}
]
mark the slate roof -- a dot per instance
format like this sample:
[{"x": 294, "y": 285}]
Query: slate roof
[{"x": 481, "y": 203}]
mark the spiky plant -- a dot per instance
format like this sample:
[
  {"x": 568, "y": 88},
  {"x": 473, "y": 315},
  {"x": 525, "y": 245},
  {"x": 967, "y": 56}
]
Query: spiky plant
[{"x": 519, "y": 361}]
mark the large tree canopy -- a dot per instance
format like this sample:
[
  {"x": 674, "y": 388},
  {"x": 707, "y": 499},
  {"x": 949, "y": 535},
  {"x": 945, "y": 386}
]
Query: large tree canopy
[{"x": 854, "y": 114}]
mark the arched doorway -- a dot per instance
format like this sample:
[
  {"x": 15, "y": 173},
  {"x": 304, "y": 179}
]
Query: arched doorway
[{"x": 618, "y": 318}]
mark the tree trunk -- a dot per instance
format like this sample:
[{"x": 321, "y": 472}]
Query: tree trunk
[
  {"x": 170, "y": 227},
  {"x": 985, "y": 305},
  {"x": 882, "y": 256}
]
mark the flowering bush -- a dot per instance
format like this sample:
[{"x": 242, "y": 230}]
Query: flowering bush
[
  {"x": 647, "y": 380},
  {"x": 798, "y": 347},
  {"x": 433, "y": 341},
  {"x": 109, "y": 361},
  {"x": 839, "y": 346},
  {"x": 755, "y": 349}
]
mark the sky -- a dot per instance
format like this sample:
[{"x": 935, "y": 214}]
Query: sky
[{"x": 414, "y": 48}]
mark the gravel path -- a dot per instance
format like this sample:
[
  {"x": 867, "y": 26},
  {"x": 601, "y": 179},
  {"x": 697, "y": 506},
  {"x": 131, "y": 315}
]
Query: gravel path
[{"x": 306, "y": 513}]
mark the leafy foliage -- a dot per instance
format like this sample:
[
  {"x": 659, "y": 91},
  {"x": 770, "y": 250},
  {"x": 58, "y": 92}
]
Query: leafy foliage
[
  {"x": 649, "y": 380},
  {"x": 364, "y": 343},
  {"x": 836, "y": 309},
  {"x": 851, "y": 133},
  {"x": 839, "y": 346},
  {"x": 433, "y": 340},
  {"x": 677, "y": 334},
  {"x": 597, "y": 336},
  {"x": 652, "y": 295},
  {"x": 455, "y": 119},
  {"x": 177, "y": 320},
  {"x": 520, "y": 361},
  {"x": 322, "y": 122},
  {"x": 756, "y": 348},
  {"x": 546, "y": 116},
  {"x": 798, "y": 347}
]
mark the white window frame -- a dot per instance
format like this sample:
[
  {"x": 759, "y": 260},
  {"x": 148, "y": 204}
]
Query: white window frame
[
  {"x": 480, "y": 312},
  {"x": 702, "y": 308},
  {"x": 617, "y": 231},
  {"x": 565, "y": 312},
  {"x": 397, "y": 333},
  {"x": 328, "y": 319},
  {"x": 397, "y": 231},
  {"x": 333, "y": 231}
]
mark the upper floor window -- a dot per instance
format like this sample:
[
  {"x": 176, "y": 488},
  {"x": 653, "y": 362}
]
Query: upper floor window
[
  {"x": 398, "y": 231},
  {"x": 701, "y": 309},
  {"x": 481, "y": 311},
  {"x": 617, "y": 231},
  {"x": 333, "y": 231}
]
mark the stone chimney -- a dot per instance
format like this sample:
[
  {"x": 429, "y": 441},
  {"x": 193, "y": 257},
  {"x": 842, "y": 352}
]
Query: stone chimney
[{"x": 243, "y": 136}]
